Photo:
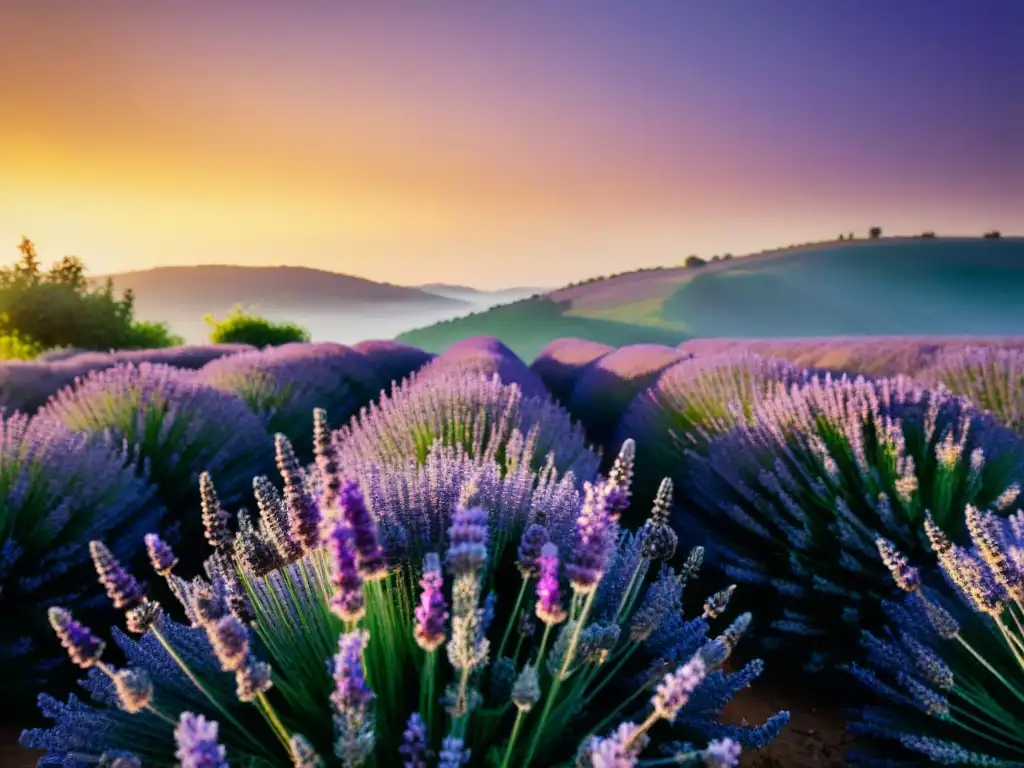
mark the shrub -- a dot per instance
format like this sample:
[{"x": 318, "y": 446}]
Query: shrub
[
  {"x": 695, "y": 261},
  {"x": 992, "y": 378},
  {"x": 689, "y": 404},
  {"x": 240, "y": 327},
  {"x": 993, "y": 235},
  {"x": 176, "y": 427},
  {"x": 151, "y": 335},
  {"x": 247, "y": 653},
  {"x": 486, "y": 356},
  {"x": 949, "y": 668},
  {"x": 392, "y": 361},
  {"x": 14, "y": 346},
  {"x": 928, "y": 235},
  {"x": 560, "y": 363},
  {"x": 795, "y": 502},
  {"x": 57, "y": 491},
  {"x": 608, "y": 384},
  {"x": 474, "y": 411},
  {"x": 875, "y": 232},
  {"x": 283, "y": 385}
]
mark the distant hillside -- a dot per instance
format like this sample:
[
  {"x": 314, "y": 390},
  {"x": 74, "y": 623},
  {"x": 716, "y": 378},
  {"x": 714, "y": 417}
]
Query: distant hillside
[
  {"x": 216, "y": 285},
  {"x": 864, "y": 287},
  {"x": 333, "y": 307}
]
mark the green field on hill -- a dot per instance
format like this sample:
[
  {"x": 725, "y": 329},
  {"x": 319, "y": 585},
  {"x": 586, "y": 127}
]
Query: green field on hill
[{"x": 892, "y": 286}]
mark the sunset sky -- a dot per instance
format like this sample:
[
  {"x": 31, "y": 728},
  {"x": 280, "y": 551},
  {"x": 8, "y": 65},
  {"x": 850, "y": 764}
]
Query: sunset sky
[{"x": 500, "y": 143}]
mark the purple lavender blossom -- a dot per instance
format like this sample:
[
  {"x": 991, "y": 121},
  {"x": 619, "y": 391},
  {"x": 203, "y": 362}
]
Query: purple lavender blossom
[
  {"x": 303, "y": 511},
  {"x": 431, "y": 613},
  {"x": 196, "y": 738},
  {"x": 597, "y": 533},
  {"x": 675, "y": 690},
  {"x": 722, "y": 753},
  {"x": 160, "y": 554},
  {"x": 467, "y": 549},
  {"x": 351, "y": 693},
  {"x": 82, "y": 645},
  {"x": 230, "y": 642},
  {"x": 619, "y": 750},
  {"x": 991, "y": 377},
  {"x": 348, "y": 602},
  {"x": 121, "y": 586},
  {"x": 620, "y": 478},
  {"x": 303, "y": 754},
  {"x": 561, "y": 362},
  {"x": 530, "y": 545},
  {"x": 215, "y": 519},
  {"x": 327, "y": 466},
  {"x": 903, "y": 573},
  {"x": 134, "y": 689},
  {"x": 549, "y": 598},
  {"x": 414, "y": 749},
  {"x": 453, "y": 753},
  {"x": 369, "y": 556}
]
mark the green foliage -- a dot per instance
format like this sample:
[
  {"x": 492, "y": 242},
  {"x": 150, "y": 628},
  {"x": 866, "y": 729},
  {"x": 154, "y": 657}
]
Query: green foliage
[
  {"x": 15, "y": 346},
  {"x": 695, "y": 261},
  {"x": 57, "y": 308},
  {"x": 239, "y": 327}
]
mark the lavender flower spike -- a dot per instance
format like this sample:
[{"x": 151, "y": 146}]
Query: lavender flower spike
[
  {"x": 453, "y": 753},
  {"x": 722, "y": 753},
  {"x": 348, "y": 602},
  {"x": 83, "y": 646},
  {"x": 196, "y": 738},
  {"x": 230, "y": 642},
  {"x": 304, "y": 514},
  {"x": 533, "y": 539},
  {"x": 215, "y": 519},
  {"x": 674, "y": 691},
  {"x": 597, "y": 533},
  {"x": 414, "y": 743},
  {"x": 903, "y": 573},
  {"x": 431, "y": 613},
  {"x": 303, "y": 754},
  {"x": 351, "y": 691},
  {"x": 467, "y": 551},
  {"x": 369, "y": 555},
  {"x": 121, "y": 586},
  {"x": 620, "y": 477},
  {"x": 134, "y": 689},
  {"x": 160, "y": 554},
  {"x": 549, "y": 600},
  {"x": 325, "y": 462}
]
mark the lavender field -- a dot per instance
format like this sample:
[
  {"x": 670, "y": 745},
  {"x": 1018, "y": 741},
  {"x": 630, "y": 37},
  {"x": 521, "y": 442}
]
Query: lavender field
[{"x": 715, "y": 553}]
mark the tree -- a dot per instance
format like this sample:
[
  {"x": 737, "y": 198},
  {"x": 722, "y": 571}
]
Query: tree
[
  {"x": 695, "y": 261},
  {"x": 993, "y": 235},
  {"x": 875, "y": 233}
]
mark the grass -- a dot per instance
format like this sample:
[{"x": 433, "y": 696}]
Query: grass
[{"x": 889, "y": 286}]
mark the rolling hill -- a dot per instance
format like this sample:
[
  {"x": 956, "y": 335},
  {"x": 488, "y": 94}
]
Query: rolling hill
[
  {"x": 958, "y": 286},
  {"x": 333, "y": 306},
  {"x": 477, "y": 296}
]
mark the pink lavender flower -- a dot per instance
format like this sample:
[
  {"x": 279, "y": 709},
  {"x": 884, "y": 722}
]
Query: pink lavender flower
[
  {"x": 121, "y": 586},
  {"x": 431, "y": 613},
  {"x": 303, "y": 510},
  {"x": 196, "y": 738},
  {"x": 675, "y": 690},
  {"x": 326, "y": 464},
  {"x": 549, "y": 598},
  {"x": 722, "y": 753},
  {"x": 369, "y": 556},
  {"x": 467, "y": 550},
  {"x": 597, "y": 533},
  {"x": 903, "y": 573},
  {"x": 82, "y": 645},
  {"x": 303, "y": 753},
  {"x": 620, "y": 478},
  {"x": 160, "y": 554},
  {"x": 619, "y": 750},
  {"x": 349, "y": 601}
]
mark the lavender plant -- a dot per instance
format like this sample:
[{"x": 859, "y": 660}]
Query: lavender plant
[
  {"x": 991, "y": 377},
  {"x": 794, "y": 501},
  {"x": 478, "y": 412},
  {"x": 57, "y": 491},
  {"x": 561, "y": 362},
  {"x": 283, "y": 385},
  {"x": 690, "y": 403},
  {"x": 592, "y": 665},
  {"x": 175, "y": 426},
  {"x": 607, "y": 386},
  {"x": 486, "y": 356},
  {"x": 949, "y": 667}
]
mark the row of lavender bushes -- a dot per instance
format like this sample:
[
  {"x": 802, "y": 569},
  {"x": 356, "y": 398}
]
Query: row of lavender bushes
[
  {"x": 819, "y": 494},
  {"x": 592, "y": 664},
  {"x": 792, "y": 477}
]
